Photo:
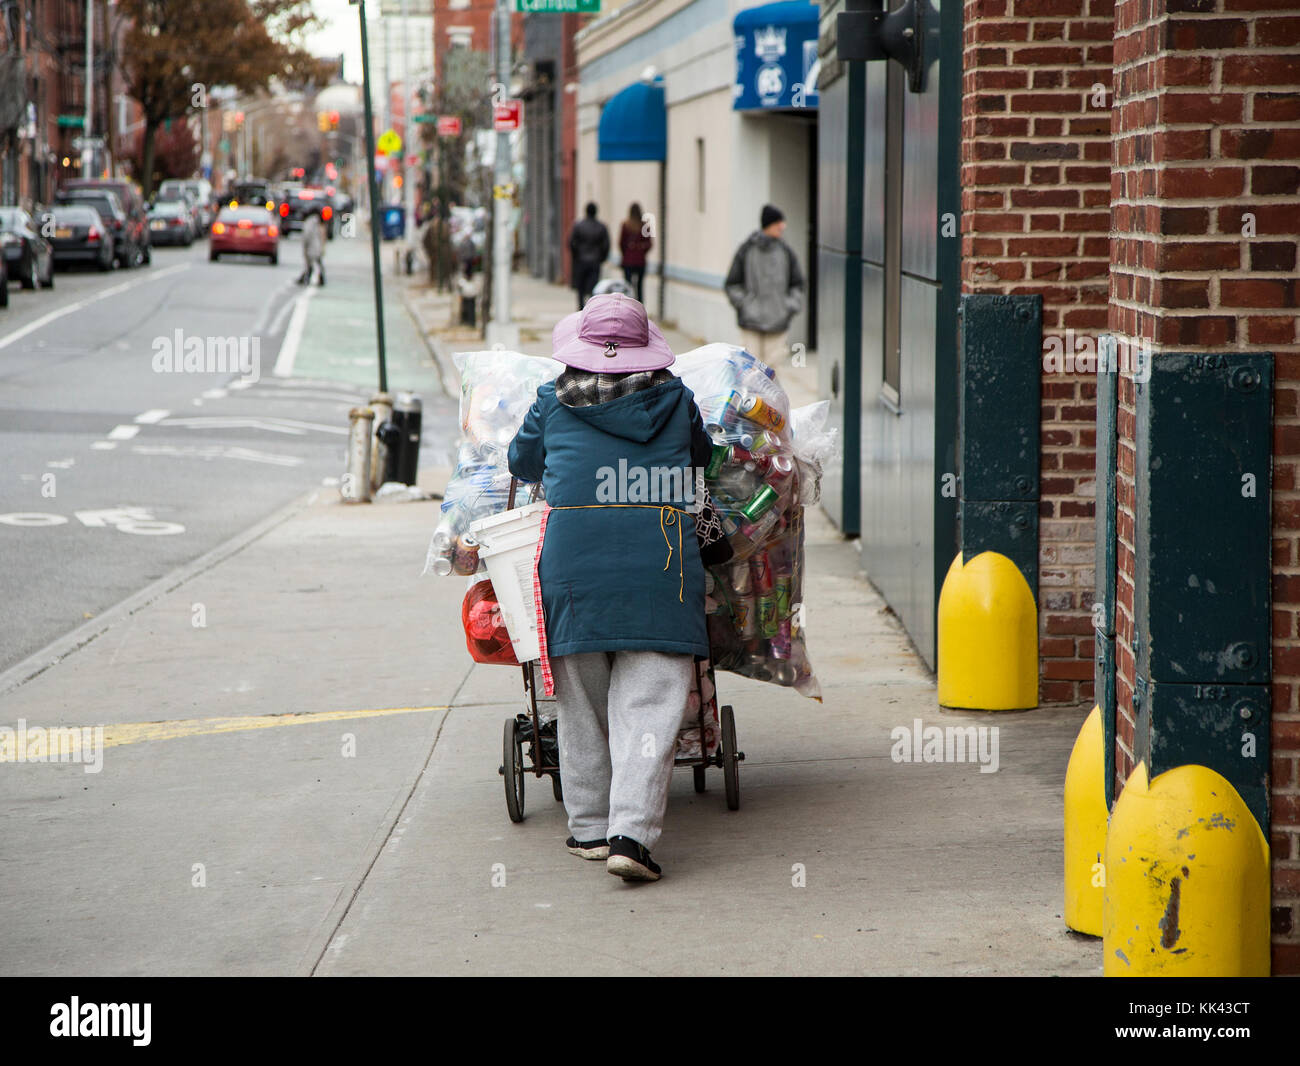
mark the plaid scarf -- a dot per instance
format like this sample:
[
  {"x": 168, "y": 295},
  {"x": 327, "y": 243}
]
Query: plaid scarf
[{"x": 586, "y": 388}]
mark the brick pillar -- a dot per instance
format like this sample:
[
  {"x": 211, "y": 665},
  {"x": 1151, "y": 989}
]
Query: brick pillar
[
  {"x": 1206, "y": 130},
  {"x": 1035, "y": 181}
]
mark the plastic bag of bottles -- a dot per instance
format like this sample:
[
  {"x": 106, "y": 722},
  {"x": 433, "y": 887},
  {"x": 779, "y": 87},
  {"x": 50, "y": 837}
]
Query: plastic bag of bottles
[
  {"x": 496, "y": 390},
  {"x": 760, "y": 476}
]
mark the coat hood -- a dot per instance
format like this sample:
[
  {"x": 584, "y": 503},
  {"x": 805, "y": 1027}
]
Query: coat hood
[{"x": 638, "y": 416}]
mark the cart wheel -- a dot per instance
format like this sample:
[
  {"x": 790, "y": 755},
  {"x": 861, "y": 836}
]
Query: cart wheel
[
  {"x": 557, "y": 789},
  {"x": 730, "y": 759},
  {"x": 700, "y": 780},
  {"x": 513, "y": 758}
]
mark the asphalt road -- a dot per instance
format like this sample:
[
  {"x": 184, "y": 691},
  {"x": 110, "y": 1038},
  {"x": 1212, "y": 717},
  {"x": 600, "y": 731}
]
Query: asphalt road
[{"x": 117, "y": 471}]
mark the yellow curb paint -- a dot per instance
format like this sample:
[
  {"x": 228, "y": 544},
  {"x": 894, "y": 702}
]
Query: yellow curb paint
[{"x": 139, "y": 732}]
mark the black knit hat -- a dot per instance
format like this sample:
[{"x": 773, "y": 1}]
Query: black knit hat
[{"x": 770, "y": 214}]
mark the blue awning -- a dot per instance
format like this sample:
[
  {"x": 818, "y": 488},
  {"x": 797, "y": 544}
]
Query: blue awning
[
  {"x": 776, "y": 57},
  {"x": 633, "y": 126}
]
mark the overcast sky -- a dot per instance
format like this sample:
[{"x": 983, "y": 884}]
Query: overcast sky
[{"x": 341, "y": 35}]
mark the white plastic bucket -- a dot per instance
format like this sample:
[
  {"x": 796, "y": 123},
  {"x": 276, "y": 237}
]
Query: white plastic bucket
[{"x": 508, "y": 545}]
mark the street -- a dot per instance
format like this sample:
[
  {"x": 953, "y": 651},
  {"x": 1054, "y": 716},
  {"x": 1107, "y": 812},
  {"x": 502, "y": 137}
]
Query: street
[{"x": 117, "y": 474}]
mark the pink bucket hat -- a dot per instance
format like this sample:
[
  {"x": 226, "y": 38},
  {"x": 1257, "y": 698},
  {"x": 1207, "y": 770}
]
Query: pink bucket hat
[{"x": 611, "y": 335}]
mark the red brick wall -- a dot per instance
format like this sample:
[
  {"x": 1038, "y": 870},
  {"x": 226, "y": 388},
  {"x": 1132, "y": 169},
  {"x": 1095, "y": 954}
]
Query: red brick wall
[
  {"x": 478, "y": 18},
  {"x": 1206, "y": 208},
  {"x": 1035, "y": 219}
]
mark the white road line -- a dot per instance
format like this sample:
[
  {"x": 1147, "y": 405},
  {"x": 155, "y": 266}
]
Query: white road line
[
  {"x": 152, "y": 417},
  {"x": 292, "y": 337},
  {"x": 103, "y": 445},
  {"x": 123, "y": 432},
  {"x": 213, "y": 394},
  {"x": 77, "y": 305}
]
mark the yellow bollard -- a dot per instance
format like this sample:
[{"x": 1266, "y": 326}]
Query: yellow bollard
[
  {"x": 1187, "y": 880},
  {"x": 988, "y": 636},
  {"x": 1085, "y": 828}
]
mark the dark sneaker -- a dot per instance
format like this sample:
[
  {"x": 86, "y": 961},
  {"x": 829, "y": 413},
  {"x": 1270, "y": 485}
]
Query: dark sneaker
[
  {"x": 630, "y": 861},
  {"x": 588, "y": 849}
]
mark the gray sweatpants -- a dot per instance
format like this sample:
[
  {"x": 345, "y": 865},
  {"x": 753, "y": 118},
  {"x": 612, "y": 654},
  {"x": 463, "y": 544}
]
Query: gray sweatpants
[{"x": 619, "y": 714}]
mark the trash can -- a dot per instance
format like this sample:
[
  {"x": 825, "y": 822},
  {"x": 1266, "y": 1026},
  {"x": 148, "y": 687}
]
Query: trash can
[
  {"x": 393, "y": 222},
  {"x": 401, "y": 436}
]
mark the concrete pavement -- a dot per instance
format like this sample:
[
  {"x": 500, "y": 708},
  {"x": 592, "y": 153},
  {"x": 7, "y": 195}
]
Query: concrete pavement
[{"x": 320, "y": 796}]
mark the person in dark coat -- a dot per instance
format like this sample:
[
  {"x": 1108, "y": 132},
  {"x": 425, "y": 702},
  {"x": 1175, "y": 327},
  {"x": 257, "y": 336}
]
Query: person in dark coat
[
  {"x": 614, "y": 440},
  {"x": 634, "y": 244},
  {"x": 766, "y": 287},
  {"x": 589, "y": 248}
]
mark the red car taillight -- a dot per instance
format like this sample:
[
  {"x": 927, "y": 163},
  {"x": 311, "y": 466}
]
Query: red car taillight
[
  {"x": 284, "y": 210},
  {"x": 273, "y": 231},
  {"x": 327, "y": 213},
  {"x": 245, "y": 223},
  {"x": 93, "y": 235},
  {"x": 218, "y": 228}
]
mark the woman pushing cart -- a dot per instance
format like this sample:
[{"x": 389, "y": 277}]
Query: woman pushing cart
[{"x": 621, "y": 582}]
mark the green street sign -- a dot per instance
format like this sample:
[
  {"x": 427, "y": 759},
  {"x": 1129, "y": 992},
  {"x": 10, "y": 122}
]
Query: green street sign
[
  {"x": 424, "y": 118},
  {"x": 72, "y": 121},
  {"x": 559, "y": 7}
]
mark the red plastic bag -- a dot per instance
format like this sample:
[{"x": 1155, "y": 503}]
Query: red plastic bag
[{"x": 485, "y": 630}]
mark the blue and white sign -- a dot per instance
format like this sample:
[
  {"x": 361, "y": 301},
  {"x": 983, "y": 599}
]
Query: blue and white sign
[{"x": 776, "y": 57}]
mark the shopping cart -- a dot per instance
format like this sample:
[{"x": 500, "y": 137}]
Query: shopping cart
[{"x": 709, "y": 741}]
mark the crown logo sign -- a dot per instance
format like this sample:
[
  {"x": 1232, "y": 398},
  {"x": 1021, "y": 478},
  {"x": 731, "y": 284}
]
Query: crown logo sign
[{"x": 769, "y": 43}]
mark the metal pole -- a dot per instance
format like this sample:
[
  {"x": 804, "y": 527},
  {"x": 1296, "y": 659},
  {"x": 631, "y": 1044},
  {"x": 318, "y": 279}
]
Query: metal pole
[
  {"x": 408, "y": 132},
  {"x": 375, "y": 208},
  {"x": 87, "y": 122},
  {"x": 501, "y": 213}
]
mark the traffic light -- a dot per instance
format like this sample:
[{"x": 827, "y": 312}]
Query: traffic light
[
  {"x": 334, "y": 120},
  {"x": 323, "y": 121}
]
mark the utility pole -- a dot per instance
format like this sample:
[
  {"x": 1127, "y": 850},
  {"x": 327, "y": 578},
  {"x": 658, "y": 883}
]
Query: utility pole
[
  {"x": 87, "y": 122},
  {"x": 408, "y": 135},
  {"x": 375, "y": 208},
  {"x": 501, "y": 329}
]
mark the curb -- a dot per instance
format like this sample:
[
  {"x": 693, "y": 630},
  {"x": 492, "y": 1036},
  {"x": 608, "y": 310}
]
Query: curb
[{"x": 430, "y": 342}]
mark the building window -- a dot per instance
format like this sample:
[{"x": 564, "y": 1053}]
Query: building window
[
  {"x": 699, "y": 174},
  {"x": 461, "y": 36},
  {"x": 458, "y": 5}
]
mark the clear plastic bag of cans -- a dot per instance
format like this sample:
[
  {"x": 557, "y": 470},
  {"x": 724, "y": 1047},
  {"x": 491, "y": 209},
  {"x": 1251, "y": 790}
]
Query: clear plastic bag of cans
[
  {"x": 496, "y": 390},
  {"x": 756, "y": 477}
]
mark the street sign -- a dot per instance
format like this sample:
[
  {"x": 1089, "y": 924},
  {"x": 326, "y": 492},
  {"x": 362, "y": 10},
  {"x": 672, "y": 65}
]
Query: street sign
[
  {"x": 563, "y": 7},
  {"x": 505, "y": 117},
  {"x": 449, "y": 126},
  {"x": 389, "y": 142},
  {"x": 87, "y": 142},
  {"x": 73, "y": 121},
  {"x": 424, "y": 118}
]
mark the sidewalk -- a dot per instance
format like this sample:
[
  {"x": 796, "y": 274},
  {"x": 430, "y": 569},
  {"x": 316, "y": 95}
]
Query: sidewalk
[{"x": 536, "y": 306}]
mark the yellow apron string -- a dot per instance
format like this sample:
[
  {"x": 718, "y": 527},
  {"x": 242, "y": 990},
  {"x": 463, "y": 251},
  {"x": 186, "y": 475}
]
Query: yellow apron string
[{"x": 667, "y": 517}]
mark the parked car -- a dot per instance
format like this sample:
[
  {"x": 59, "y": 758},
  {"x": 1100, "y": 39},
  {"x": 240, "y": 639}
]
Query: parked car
[
  {"x": 4, "y": 283},
  {"x": 132, "y": 203},
  {"x": 200, "y": 191},
  {"x": 170, "y": 222},
  {"x": 245, "y": 230},
  {"x": 81, "y": 236},
  {"x": 182, "y": 196},
  {"x": 27, "y": 254},
  {"x": 126, "y": 244}
]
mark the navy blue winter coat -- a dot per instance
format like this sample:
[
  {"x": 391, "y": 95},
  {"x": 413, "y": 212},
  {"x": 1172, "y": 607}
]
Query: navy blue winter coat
[{"x": 605, "y": 585}]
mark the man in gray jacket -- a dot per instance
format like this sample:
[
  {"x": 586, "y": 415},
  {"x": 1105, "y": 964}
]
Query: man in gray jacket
[{"x": 765, "y": 286}]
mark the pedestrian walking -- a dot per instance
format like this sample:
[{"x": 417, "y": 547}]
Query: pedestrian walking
[
  {"x": 589, "y": 248},
  {"x": 313, "y": 248},
  {"x": 634, "y": 246},
  {"x": 765, "y": 286},
  {"x": 622, "y": 628}
]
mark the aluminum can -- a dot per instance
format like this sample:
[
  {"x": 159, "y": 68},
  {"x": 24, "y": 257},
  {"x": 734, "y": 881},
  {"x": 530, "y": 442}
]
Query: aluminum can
[
  {"x": 716, "y": 460},
  {"x": 759, "y": 504},
  {"x": 762, "y": 567},
  {"x": 741, "y": 581},
  {"x": 768, "y": 623},
  {"x": 761, "y": 413}
]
